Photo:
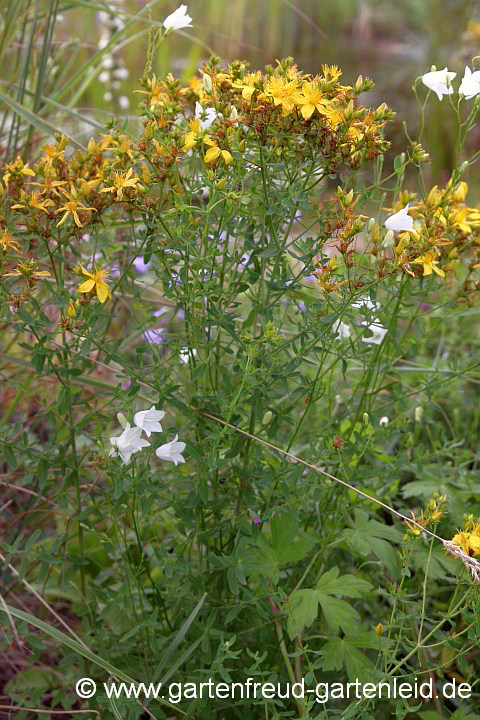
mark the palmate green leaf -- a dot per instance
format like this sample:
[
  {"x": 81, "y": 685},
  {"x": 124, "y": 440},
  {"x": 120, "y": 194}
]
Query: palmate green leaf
[
  {"x": 369, "y": 536},
  {"x": 303, "y": 608},
  {"x": 289, "y": 542},
  {"x": 342, "y": 651},
  {"x": 289, "y": 545},
  {"x": 338, "y": 613}
]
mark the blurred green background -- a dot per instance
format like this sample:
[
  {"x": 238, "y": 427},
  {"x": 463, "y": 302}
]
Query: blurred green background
[{"x": 88, "y": 56}]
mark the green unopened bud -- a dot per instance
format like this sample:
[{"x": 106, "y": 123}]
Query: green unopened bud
[
  {"x": 359, "y": 84},
  {"x": 148, "y": 132},
  {"x": 365, "y": 419},
  {"x": 418, "y": 414},
  {"x": 207, "y": 83},
  {"x": 349, "y": 110},
  {"x": 267, "y": 417},
  {"x": 122, "y": 420},
  {"x": 463, "y": 167}
]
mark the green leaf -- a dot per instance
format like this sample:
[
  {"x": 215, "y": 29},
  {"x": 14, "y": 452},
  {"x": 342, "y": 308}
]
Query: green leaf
[
  {"x": 303, "y": 606},
  {"x": 289, "y": 542},
  {"x": 338, "y": 613},
  {"x": 370, "y": 536},
  {"x": 342, "y": 651}
]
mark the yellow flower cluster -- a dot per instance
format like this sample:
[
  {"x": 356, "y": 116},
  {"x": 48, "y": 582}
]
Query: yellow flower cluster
[
  {"x": 444, "y": 229},
  {"x": 469, "y": 538}
]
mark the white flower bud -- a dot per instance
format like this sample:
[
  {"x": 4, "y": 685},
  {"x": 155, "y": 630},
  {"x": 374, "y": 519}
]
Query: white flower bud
[
  {"x": 234, "y": 114},
  {"x": 122, "y": 419},
  {"x": 389, "y": 239},
  {"x": 418, "y": 414},
  {"x": 384, "y": 421},
  {"x": 207, "y": 83}
]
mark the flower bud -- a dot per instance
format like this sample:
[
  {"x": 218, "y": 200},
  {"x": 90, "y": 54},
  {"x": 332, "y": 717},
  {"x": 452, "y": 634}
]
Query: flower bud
[
  {"x": 148, "y": 132},
  {"x": 418, "y": 414},
  {"x": 71, "y": 312},
  {"x": 221, "y": 184},
  {"x": 241, "y": 147},
  {"x": 464, "y": 165},
  {"x": 389, "y": 239},
  {"x": 365, "y": 419},
  {"x": 384, "y": 421},
  {"x": 234, "y": 114},
  {"x": 122, "y": 420},
  {"x": 380, "y": 629},
  {"x": 207, "y": 83},
  {"x": 358, "y": 87},
  {"x": 267, "y": 417},
  {"x": 349, "y": 110}
]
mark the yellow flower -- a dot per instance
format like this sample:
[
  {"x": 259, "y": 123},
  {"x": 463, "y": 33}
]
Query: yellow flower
[
  {"x": 462, "y": 539},
  {"x": 247, "y": 85},
  {"x": 71, "y": 208},
  {"x": 28, "y": 270},
  {"x": 96, "y": 280},
  {"x": 474, "y": 542},
  {"x": 460, "y": 221},
  {"x": 284, "y": 93},
  {"x": 157, "y": 92},
  {"x": 311, "y": 98},
  {"x": 71, "y": 311},
  {"x": 17, "y": 168},
  {"x": 120, "y": 182},
  {"x": 7, "y": 242},
  {"x": 34, "y": 201},
  {"x": 51, "y": 153},
  {"x": 429, "y": 263},
  {"x": 215, "y": 152},
  {"x": 192, "y": 137}
]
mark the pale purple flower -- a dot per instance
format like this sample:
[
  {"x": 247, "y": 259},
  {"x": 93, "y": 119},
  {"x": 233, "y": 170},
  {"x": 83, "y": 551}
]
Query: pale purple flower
[
  {"x": 171, "y": 451},
  {"x": 141, "y": 266},
  {"x": 155, "y": 336},
  {"x": 256, "y": 521},
  {"x": 149, "y": 420}
]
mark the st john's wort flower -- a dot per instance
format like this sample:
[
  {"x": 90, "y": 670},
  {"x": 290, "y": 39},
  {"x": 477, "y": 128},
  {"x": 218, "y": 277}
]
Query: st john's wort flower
[
  {"x": 470, "y": 85},
  {"x": 400, "y": 222},
  {"x": 178, "y": 19},
  {"x": 149, "y": 420},
  {"x": 171, "y": 451},
  {"x": 128, "y": 443},
  {"x": 439, "y": 81}
]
